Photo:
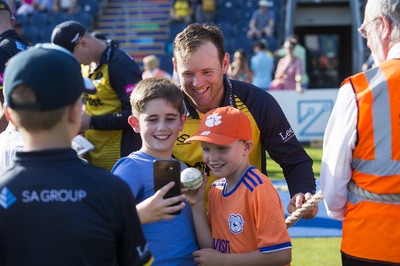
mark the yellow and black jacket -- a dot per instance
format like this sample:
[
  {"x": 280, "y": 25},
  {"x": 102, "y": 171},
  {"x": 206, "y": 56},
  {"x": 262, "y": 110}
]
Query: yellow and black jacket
[{"x": 115, "y": 77}]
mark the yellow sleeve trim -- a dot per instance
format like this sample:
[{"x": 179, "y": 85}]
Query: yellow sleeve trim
[{"x": 150, "y": 262}]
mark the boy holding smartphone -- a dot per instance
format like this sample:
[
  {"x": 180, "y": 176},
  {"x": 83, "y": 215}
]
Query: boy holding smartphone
[
  {"x": 245, "y": 211},
  {"x": 157, "y": 114}
]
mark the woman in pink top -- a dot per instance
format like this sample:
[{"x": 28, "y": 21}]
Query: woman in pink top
[{"x": 289, "y": 68}]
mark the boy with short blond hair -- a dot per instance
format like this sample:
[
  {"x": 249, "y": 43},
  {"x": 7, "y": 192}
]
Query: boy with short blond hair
[
  {"x": 157, "y": 114},
  {"x": 245, "y": 211}
]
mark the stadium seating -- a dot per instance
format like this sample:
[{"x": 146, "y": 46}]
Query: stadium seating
[
  {"x": 90, "y": 6},
  {"x": 59, "y": 17},
  {"x": 166, "y": 63},
  {"x": 227, "y": 29},
  {"x": 227, "y": 11},
  {"x": 45, "y": 33},
  {"x": 32, "y": 33},
  {"x": 38, "y": 26},
  {"x": 84, "y": 18},
  {"x": 22, "y": 20},
  {"x": 39, "y": 19}
]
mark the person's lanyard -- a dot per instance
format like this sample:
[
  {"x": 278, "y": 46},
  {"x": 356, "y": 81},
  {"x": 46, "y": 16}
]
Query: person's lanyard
[{"x": 230, "y": 91}]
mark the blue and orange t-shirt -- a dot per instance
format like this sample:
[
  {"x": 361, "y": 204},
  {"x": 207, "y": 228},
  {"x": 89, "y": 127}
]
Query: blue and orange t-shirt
[{"x": 249, "y": 217}]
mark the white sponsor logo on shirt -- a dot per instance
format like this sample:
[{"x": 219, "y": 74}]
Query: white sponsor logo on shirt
[{"x": 53, "y": 195}]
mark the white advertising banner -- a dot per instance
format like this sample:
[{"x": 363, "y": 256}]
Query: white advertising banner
[{"x": 307, "y": 112}]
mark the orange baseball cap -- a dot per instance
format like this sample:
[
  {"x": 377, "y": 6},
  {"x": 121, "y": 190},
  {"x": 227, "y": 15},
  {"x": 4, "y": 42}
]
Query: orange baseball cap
[{"x": 223, "y": 126}]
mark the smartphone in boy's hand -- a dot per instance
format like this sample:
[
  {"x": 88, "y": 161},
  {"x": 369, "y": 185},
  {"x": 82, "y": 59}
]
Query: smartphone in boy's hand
[{"x": 166, "y": 171}]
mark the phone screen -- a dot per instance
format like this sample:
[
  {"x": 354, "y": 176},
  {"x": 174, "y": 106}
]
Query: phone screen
[{"x": 166, "y": 171}]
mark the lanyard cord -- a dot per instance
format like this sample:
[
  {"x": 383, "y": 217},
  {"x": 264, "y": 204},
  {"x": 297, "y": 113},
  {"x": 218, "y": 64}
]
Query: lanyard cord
[{"x": 230, "y": 91}]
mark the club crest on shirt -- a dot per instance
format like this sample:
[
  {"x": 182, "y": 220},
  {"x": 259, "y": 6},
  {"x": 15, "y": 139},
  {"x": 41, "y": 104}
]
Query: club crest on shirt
[{"x": 236, "y": 223}]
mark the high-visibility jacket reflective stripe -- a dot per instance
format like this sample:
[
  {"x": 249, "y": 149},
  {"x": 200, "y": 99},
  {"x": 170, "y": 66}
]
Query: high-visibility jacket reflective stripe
[
  {"x": 377, "y": 152},
  {"x": 371, "y": 230}
]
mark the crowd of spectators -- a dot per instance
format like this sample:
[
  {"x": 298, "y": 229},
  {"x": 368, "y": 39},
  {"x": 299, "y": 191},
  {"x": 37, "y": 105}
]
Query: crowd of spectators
[
  {"x": 289, "y": 70},
  {"x": 244, "y": 24},
  {"x": 256, "y": 19},
  {"x": 262, "y": 24},
  {"x": 239, "y": 69},
  {"x": 35, "y": 19},
  {"x": 262, "y": 65},
  {"x": 250, "y": 32},
  {"x": 188, "y": 11}
]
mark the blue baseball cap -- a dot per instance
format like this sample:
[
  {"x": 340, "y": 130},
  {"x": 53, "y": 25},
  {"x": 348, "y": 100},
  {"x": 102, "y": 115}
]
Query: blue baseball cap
[{"x": 52, "y": 72}]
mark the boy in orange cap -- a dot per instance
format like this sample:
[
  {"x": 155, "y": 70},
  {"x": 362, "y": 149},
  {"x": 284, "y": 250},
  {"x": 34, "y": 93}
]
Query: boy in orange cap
[{"x": 245, "y": 211}]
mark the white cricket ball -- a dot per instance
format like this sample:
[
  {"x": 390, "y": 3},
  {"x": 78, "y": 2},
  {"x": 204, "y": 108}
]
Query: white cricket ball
[{"x": 191, "y": 178}]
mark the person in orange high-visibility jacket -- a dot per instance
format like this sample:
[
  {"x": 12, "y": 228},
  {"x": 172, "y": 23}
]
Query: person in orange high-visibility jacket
[{"x": 360, "y": 173}]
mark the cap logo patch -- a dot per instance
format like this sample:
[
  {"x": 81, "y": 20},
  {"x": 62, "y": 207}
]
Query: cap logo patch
[
  {"x": 205, "y": 133},
  {"x": 213, "y": 120},
  {"x": 76, "y": 38}
]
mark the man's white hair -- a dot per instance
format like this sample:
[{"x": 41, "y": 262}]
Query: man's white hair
[{"x": 389, "y": 9}]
